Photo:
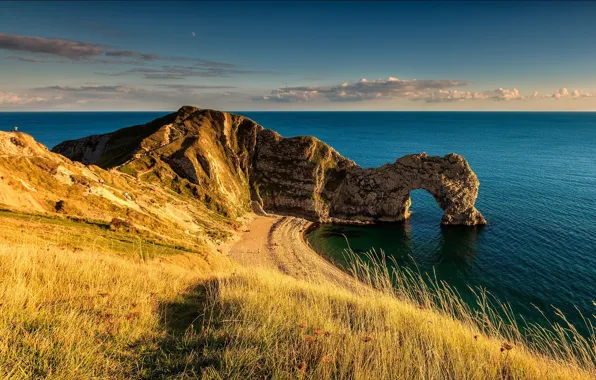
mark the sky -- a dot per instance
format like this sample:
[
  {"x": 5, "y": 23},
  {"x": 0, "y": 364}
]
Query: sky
[{"x": 310, "y": 55}]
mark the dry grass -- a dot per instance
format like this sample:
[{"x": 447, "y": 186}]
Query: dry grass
[
  {"x": 82, "y": 314},
  {"x": 69, "y": 312},
  {"x": 266, "y": 325}
]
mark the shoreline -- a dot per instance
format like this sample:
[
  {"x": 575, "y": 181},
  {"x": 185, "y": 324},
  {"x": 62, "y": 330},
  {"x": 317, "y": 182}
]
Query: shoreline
[{"x": 279, "y": 243}]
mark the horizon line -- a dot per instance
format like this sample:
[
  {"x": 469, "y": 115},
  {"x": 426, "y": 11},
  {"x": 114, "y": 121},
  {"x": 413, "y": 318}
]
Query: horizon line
[{"x": 352, "y": 111}]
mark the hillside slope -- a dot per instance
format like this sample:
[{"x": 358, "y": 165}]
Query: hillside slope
[{"x": 34, "y": 180}]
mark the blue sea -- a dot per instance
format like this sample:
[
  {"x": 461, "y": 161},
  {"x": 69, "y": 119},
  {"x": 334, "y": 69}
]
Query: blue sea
[{"x": 537, "y": 175}]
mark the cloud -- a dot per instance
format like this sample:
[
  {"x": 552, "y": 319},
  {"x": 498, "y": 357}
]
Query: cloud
[
  {"x": 213, "y": 64},
  {"x": 144, "y": 65},
  {"x": 53, "y": 46},
  {"x": 426, "y": 90},
  {"x": 89, "y": 52},
  {"x": 582, "y": 94},
  {"x": 117, "y": 93},
  {"x": 506, "y": 94},
  {"x": 101, "y": 96},
  {"x": 63, "y": 95},
  {"x": 33, "y": 60},
  {"x": 19, "y": 99},
  {"x": 192, "y": 86},
  {"x": 364, "y": 89},
  {"x": 90, "y": 88},
  {"x": 83, "y": 60},
  {"x": 112, "y": 61},
  {"x": 565, "y": 93},
  {"x": 442, "y": 95},
  {"x": 86, "y": 52},
  {"x": 204, "y": 69},
  {"x": 289, "y": 96},
  {"x": 561, "y": 93},
  {"x": 198, "y": 62},
  {"x": 131, "y": 54}
]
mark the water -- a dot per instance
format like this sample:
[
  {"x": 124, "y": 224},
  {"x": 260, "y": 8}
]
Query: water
[
  {"x": 51, "y": 128},
  {"x": 537, "y": 175}
]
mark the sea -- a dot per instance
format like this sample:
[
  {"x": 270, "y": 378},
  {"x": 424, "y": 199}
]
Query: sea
[{"x": 537, "y": 173}]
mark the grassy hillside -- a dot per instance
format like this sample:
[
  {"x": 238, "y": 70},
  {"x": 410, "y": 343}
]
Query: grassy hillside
[{"x": 81, "y": 302}]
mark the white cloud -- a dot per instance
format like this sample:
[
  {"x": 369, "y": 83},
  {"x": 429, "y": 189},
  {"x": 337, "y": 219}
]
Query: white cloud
[
  {"x": 446, "y": 96},
  {"x": 456, "y": 95},
  {"x": 506, "y": 94},
  {"x": 426, "y": 90},
  {"x": 561, "y": 93},
  {"x": 289, "y": 96},
  {"x": 364, "y": 89},
  {"x": 565, "y": 93},
  {"x": 17, "y": 99},
  {"x": 583, "y": 94}
]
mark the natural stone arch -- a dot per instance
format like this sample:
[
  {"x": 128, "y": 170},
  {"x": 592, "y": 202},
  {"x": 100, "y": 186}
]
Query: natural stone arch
[{"x": 383, "y": 194}]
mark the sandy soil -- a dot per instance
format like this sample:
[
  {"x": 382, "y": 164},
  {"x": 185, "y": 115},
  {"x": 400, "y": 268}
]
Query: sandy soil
[{"x": 276, "y": 242}]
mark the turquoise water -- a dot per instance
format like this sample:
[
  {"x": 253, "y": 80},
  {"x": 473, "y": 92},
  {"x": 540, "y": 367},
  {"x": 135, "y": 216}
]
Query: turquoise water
[{"x": 537, "y": 175}]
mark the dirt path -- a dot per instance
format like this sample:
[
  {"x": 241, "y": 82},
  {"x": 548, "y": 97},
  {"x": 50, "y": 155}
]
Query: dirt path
[{"x": 276, "y": 242}]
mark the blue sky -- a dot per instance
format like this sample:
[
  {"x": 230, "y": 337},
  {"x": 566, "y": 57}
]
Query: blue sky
[{"x": 298, "y": 55}]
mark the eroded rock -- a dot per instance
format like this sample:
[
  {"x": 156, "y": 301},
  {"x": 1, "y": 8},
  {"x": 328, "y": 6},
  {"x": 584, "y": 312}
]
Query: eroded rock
[{"x": 235, "y": 165}]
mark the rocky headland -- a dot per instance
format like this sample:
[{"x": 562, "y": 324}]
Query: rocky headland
[{"x": 234, "y": 165}]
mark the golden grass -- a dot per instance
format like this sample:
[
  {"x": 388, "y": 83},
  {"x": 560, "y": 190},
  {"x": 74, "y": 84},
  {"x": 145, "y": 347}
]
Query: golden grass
[
  {"x": 82, "y": 314},
  {"x": 267, "y": 325},
  {"x": 68, "y": 313}
]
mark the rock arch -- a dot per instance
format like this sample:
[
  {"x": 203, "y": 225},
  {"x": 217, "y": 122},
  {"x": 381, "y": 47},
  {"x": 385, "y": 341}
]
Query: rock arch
[{"x": 383, "y": 194}]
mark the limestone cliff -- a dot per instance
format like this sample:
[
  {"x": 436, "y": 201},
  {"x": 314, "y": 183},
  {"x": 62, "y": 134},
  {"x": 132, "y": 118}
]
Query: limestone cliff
[{"x": 230, "y": 162}]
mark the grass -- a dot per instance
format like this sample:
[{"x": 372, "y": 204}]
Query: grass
[
  {"x": 78, "y": 234},
  {"x": 265, "y": 325},
  {"x": 94, "y": 313}
]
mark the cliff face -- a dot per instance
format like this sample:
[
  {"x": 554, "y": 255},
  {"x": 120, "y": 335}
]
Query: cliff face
[
  {"x": 297, "y": 175},
  {"x": 230, "y": 162}
]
